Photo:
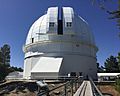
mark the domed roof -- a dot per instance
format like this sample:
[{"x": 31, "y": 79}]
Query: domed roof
[{"x": 69, "y": 24}]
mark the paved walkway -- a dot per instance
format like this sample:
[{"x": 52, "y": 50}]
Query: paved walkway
[{"x": 85, "y": 89}]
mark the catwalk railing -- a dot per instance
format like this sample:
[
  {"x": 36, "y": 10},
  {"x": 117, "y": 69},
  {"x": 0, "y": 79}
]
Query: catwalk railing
[
  {"x": 73, "y": 85},
  {"x": 95, "y": 90},
  {"x": 68, "y": 87}
]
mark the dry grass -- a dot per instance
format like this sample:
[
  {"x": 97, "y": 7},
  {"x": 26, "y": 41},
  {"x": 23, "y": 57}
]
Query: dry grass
[{"x": 109, "y": 89}]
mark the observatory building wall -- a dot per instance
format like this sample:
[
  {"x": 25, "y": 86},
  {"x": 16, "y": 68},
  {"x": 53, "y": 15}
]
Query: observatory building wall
[{"x": 56, "y": 47}]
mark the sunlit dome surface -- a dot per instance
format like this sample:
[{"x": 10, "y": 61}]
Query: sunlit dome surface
[
  {"x": 43, "y": 28},
  {"x": 58, "y": 43}
]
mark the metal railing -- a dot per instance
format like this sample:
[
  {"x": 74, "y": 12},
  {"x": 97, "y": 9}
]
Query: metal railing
[
  {"x": 95, "y": 90},
  {"x": 68, "y": 87}
]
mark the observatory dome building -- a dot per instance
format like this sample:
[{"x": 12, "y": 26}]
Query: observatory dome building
[{"x": 58, "y": 44}]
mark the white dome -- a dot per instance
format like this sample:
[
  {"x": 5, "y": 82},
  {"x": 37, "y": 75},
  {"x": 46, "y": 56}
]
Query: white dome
[
  {"x": 40, "y": 30},
  {"x": 62, "y": 43}
]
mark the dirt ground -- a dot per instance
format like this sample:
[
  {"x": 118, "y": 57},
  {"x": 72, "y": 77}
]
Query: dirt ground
[
  {"x": 31, "y": 89},
  {"x": 108, "y": 89}
]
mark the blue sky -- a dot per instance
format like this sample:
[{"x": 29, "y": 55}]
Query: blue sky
[{"x": 17, "y": 16}]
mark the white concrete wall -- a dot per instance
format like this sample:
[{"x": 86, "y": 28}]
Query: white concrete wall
[
  {"x": 44, "y": 75},
  {"x": 27, "y": 68},
  {"x": 71, "y": 63},
  {"x": 56, "y": 43},
  {"x": 29, "y": 63},
  {"x": 79, "y": 63},
  {"x": 78, "y": 56}
]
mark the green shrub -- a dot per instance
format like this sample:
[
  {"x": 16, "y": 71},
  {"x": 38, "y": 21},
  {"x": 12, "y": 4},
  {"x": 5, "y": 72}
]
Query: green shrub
[{"x": 117, "y": 85}]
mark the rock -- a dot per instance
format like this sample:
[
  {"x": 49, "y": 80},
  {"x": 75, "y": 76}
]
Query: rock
[
  {"x": 69, "y": 90},
  {"x": 56, "y": 92},
  {"x": 53, "y": 85}
]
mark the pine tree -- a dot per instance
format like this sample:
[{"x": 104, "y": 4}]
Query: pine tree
[
  {"x": 5, "y": 67},
  {"x": 5, "y": 55},
  {"x": 111, "y": 64},
  {"x": 118, "y": 57},
  {"x": 113, "y": 14}
]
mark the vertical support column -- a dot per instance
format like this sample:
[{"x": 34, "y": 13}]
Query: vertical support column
[
  {"x": 71, "y": 87},
  {"x": 75, "y": 85},
  {"x": 65, "y": 89}
]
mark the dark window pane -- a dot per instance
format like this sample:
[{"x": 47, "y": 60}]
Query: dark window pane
[
  {"x": 69, "y": 24},
  {"x": 32, "y": 40},
  {"x": 51, "y": 24}
]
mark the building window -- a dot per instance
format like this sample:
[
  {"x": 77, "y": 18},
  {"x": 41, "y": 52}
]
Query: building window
[
  {"x": 69, "y": 24},
  {"x": 51, "y": 24},
  {"x": 77, "y": 45},
  {"x": 32, "y": 40}
]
